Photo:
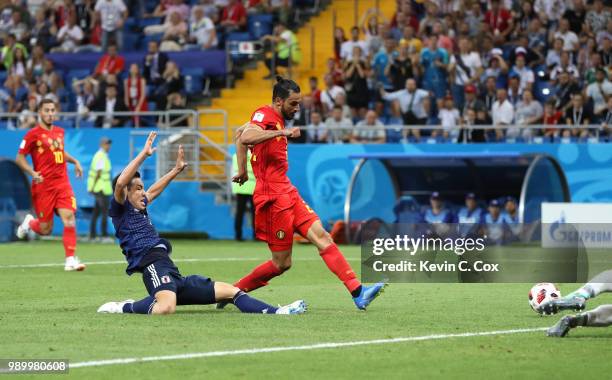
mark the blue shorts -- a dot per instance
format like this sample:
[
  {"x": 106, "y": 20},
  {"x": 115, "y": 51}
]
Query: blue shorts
[{"x": 162, "y": 274}]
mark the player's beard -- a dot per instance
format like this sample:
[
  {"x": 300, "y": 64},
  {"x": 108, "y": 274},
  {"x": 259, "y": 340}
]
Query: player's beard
[{"x": 287, "y": 116}]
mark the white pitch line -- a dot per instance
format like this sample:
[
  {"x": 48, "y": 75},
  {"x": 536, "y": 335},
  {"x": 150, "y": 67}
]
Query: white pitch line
[
  {"x": 209, "y": 259},
  {"x": 252, "y": 351}
]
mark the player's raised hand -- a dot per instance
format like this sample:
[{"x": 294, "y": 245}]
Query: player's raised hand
[
  {"x": 240, "y": 178},
  {"x": 293, "y": 132},
  {"x": 37, "y": 177},
  {"x": 180, "y": 159},
  {"x": 148, "y": 148}
]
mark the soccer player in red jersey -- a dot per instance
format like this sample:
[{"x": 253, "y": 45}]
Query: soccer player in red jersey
[
  {"x": 51, "y": 190},
  {"x": 279, "y": 208}
]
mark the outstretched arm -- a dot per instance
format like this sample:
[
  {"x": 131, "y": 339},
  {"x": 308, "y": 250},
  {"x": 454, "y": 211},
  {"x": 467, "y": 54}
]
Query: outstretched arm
[
  {"x": 254, "y": 134},
  {"x": 161, "y": 184},
  {"x": 241, "y": 157},
  {"x": 77, "y": 165},
  {"x": 128, "y": 173}
]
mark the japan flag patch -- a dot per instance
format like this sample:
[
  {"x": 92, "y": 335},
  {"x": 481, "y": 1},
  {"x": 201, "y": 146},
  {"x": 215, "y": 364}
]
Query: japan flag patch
[{"x": 258, "y": 116}]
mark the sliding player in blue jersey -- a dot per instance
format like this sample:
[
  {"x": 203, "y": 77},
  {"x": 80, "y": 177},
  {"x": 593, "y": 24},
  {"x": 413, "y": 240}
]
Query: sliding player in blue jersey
[{"x": 149, "y": 254}]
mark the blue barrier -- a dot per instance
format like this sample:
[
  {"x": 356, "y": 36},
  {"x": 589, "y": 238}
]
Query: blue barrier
[
  {"x": 7, "y": 215},
  {"x": 211, "y": 61},
  {"x": 320, "y": 172}
]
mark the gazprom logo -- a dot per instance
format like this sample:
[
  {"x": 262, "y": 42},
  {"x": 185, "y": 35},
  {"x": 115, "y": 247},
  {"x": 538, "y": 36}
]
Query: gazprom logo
[
  {"x": 560, "y": 231},
  {"x": 555, "y": 233}
]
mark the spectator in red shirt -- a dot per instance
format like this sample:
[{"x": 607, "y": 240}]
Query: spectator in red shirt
[
  {"x": 315, "y": 92},
  {"x": 234, "y": 16},
  {"x": 110, "y": 63},
  {"x": 551, "y": 117},
  {"x": 335, "y": 71},
  {"x": 499, "y": 21}
]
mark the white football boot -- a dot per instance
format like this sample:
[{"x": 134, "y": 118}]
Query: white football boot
[
  {"x": 113, "y": 307},
  {"x": 297, "y": 307},
  {"x": 73, "y": 264},
  {"x": 24, "y": 227}
]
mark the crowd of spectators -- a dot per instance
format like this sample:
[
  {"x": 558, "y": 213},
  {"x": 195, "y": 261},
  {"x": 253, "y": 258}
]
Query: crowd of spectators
[
  {"x": 471, "y": 70},
  {"x": 32, "y": 29}
]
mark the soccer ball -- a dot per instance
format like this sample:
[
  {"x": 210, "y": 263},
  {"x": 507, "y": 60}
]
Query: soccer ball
[{"x": 542, "y": 293}]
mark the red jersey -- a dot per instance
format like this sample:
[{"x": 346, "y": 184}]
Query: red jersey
[
  {"x": 269, "y": 158},
  {"x": 47, "y": 150},
  {"x": 110, "y": 65},
  {"x": 498, "y": 21}
]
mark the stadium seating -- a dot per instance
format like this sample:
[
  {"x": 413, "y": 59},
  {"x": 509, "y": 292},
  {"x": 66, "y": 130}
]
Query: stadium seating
[{"x": 260, "y": 25}]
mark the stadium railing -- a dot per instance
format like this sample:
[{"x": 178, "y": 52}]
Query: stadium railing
[
  {"x": 203, "y": 134},
  {"x": 529, "y": 134}
]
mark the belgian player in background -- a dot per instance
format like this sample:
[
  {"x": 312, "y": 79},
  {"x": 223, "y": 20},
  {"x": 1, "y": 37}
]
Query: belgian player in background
[
  {"x": 279, "y": 208},
  {"x": 51, "y": 190},
  {"x": 149, "y": 254}
]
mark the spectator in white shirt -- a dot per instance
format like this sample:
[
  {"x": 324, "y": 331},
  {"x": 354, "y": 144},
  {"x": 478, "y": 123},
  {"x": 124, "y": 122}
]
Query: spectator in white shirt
[
  {"x": 525, "y": 74},
  {"x": 112, "y": 14},
  {"x": 553, "y": 57},
  {"x": 339, "y": 127},
  {"x": 450, "y": 120},
  {"x": 565, "y": 65},
  {"x": 599, "y": 91},
  {"x": 466, "y": 68},
  {"x": 528, "y": 112},
  {"x": 346, "y": 49},
  {"x": 413, "y": 104},
  {"x": 369, "y": 130},
  {"x": 502, "y": 112},
  {"x": 202, "y": 32},
  {"x": 329, "y": 95},
  {"x": 550, "y": 10},
  {"x": 570, "y": 39},
  {"x": 70, "y": 35},
  {"x": 316, "y": 131},
  {"x": 341, "y": 101},
  {"x": 598, "y": 16}
]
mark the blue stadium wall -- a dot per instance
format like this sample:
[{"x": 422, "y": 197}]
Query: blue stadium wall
[{"x": 321, "y": 172}]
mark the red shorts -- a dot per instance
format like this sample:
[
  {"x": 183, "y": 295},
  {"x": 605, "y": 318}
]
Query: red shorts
[
  {"x": 47, "y": 198},
  {"x": 278, "y": 216}
]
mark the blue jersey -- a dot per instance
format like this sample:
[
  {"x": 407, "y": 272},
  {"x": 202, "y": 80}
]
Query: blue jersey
[
  {"x": 466, "y": 216},
  {"x": 444, "y": 216},
  {"x": 135, "y": 232},
  {"x": 494, "y": 227},
  {"x": 512, "y": 222},
  {"x": 469, "y": 221},
  {"x": 509, "y": 218},
  {"x": 434, "y": 78}
]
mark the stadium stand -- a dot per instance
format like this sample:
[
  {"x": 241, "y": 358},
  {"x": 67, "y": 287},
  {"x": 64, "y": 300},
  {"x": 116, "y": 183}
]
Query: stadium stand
[{"x": 451, "y": 48}]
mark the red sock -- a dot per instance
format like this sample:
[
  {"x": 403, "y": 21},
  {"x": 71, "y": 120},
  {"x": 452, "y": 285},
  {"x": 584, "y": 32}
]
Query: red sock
[
  {"x": 35, "y": 226},
  {"x": 336, "y": 262},
  {"x": 69, "y": 240},
  {"x": 258, "y": 277}
]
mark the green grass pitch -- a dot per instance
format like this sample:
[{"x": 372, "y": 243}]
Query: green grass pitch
[{"x": 47, "y": 313}]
